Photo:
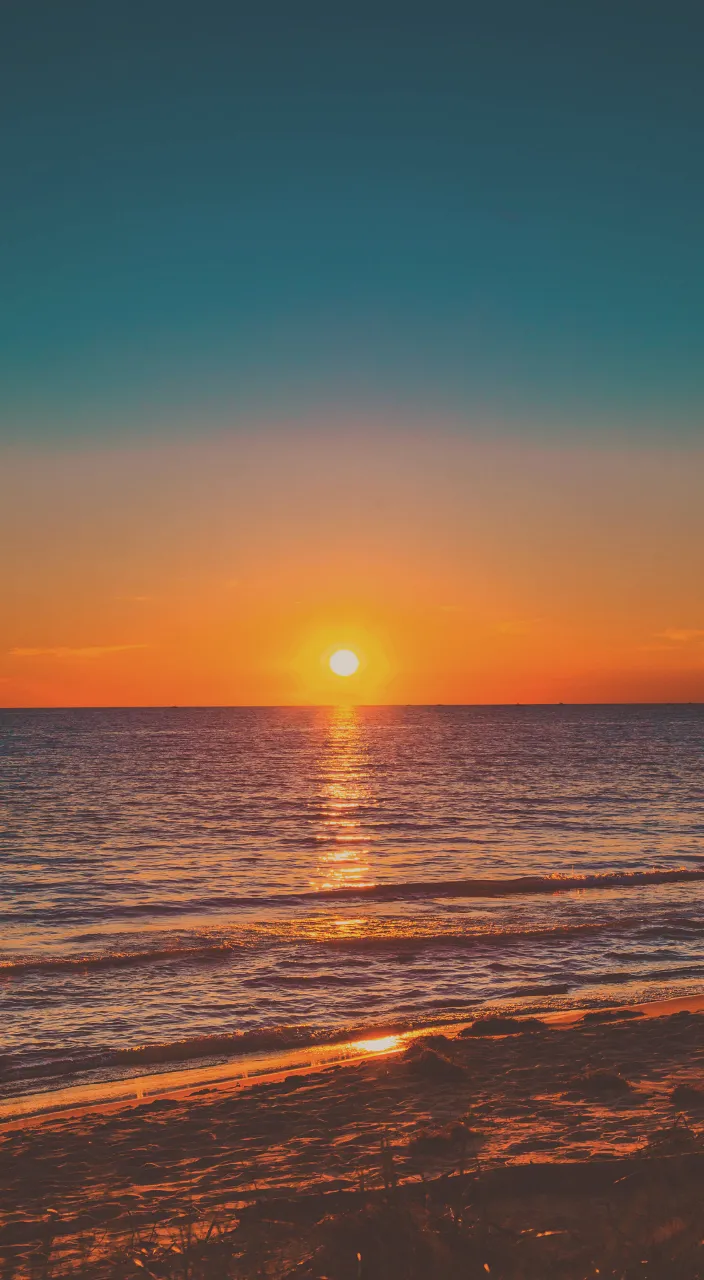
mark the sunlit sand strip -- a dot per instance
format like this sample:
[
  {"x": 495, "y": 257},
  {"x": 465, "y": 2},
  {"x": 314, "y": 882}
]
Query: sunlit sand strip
[
  {"x": 257, "y": 1069},
  {"x": 650, "y": 1009}
]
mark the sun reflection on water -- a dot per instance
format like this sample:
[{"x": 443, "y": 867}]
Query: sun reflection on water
[{"x": 345, "y": 792}]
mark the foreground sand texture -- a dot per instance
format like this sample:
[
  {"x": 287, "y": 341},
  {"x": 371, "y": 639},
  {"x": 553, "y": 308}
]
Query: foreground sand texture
[{"x": 439, "y": 1161}]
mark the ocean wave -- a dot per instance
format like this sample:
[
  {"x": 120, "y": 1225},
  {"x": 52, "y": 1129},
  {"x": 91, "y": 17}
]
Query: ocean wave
[
  {"x": 556, "y": 883},
  {"x": 411, "y": 940},
  {"x": 610, "y": 978},
  {"x": 405, "y": 890},
  {"x": 116, "y": 959}
]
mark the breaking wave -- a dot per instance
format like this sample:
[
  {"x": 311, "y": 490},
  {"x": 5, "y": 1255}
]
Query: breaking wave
[{"x": 404, "y": 890}]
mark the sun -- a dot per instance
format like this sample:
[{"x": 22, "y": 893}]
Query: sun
[{"x": 344, "y": 662}]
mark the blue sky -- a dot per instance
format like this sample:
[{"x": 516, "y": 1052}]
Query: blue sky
[{"x": 217, "y": 211}]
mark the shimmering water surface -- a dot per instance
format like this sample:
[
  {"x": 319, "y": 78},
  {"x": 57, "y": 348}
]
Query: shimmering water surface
[{"x": 186, "y": 883}]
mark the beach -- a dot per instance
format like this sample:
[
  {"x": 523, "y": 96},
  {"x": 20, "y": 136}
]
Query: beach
[{"x": 615, "y": 1088}]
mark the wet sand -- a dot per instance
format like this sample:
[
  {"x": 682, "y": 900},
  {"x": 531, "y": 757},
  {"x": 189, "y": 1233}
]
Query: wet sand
[{"x": 565, "y": 1088}]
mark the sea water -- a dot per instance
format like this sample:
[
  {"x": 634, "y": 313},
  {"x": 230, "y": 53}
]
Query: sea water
[{"x": 180, "y": 885}]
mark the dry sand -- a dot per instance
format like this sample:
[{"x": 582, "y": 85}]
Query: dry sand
[{"x": 568, "y": 1088}]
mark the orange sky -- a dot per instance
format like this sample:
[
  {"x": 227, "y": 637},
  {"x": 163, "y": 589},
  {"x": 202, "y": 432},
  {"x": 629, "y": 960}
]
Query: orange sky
[{"x": 460, "y": 569}]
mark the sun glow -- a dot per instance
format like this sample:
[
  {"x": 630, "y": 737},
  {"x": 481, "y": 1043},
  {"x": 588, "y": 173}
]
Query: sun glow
[
  {"x": 319, "y": 660},
  {"x": 384, "y": 1044},
  {"x": 344, "y": 662}
]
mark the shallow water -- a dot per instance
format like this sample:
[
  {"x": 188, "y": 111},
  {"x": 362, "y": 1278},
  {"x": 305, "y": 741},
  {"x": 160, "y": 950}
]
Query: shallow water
[{"x": 265, "y": 875}]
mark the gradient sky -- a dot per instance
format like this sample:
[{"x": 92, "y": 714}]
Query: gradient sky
[{"x": 377, "y": 326}]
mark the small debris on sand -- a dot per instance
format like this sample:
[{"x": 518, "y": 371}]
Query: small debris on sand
[
  {"x": 433, "y": 1066},
  {"x": 600, "y": 1084},
  {"x": 686, "y": 1098}
]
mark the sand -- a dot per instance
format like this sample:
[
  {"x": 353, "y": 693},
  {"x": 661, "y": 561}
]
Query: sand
[{"x": 564, "y": 1089}]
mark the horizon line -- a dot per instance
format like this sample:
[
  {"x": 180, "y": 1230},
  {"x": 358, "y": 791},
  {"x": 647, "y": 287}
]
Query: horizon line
[{"x": 320, "y": 706}]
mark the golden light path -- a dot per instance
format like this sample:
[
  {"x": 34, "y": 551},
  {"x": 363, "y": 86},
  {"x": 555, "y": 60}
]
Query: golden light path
[
  {"x": 344, "y": 662},
  {"x": 345, "y": 791}
]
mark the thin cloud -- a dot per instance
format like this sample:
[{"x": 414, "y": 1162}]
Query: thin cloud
[
  {"x": 683, "y": 635},
  {"x": 88, "y": 651},
  {"x": 515, "y": 627}
]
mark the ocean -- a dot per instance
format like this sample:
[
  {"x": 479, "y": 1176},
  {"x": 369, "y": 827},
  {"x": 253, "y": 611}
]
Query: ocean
[{"x": 183, "y": 885}]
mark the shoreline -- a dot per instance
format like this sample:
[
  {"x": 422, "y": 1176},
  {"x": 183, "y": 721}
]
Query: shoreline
[
  {"x": 599, "y": 1098},
  {"x": 248, "y": 1070}
]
